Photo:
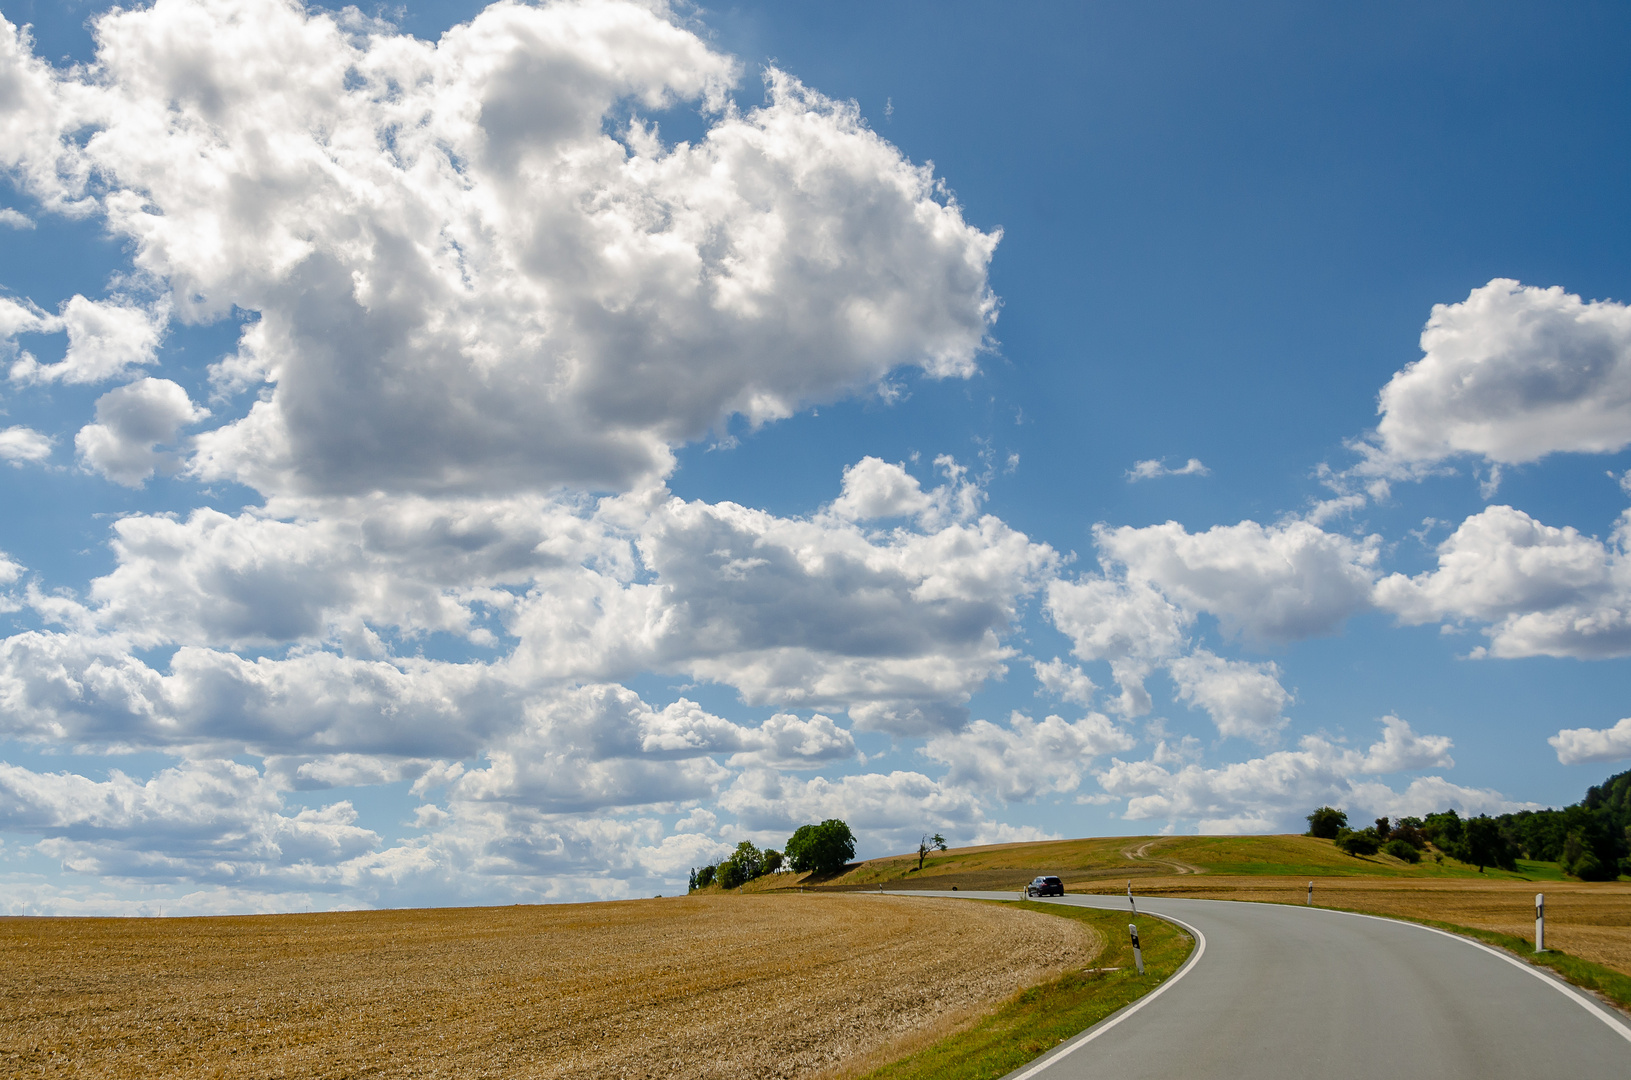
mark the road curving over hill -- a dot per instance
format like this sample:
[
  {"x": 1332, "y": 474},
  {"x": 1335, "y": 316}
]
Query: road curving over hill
[{"x": 1280, "y": 992}]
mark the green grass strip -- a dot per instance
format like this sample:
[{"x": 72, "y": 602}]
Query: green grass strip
[{"x": 1040, "y": 1018}]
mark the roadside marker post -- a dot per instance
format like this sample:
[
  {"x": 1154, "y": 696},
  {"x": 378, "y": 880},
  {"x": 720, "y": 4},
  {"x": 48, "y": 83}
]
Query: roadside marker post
[
  {"x": 1310, "y": 894},
  {"x": 1540, "y": 922},
  {"x": 1130, "y": 900},
  {"x": 1138, "y": 953}
]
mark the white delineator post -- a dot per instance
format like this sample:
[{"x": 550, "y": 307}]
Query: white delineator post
[
  {"x": 1130, "y": 900},
  {"x": 1138, "y": 953},
  {"x": 1310, "y": 894},
  {"x": 1540, "y": 922}
]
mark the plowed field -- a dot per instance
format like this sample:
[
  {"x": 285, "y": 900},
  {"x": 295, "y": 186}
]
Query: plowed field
[{"x": 711, "y": 986}]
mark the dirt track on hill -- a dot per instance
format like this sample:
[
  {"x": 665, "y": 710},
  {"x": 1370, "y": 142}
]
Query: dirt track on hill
[{"x": 716, "y": 986}]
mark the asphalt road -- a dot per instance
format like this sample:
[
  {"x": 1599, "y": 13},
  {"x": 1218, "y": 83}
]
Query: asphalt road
[{"x": 1281, "y": 992}]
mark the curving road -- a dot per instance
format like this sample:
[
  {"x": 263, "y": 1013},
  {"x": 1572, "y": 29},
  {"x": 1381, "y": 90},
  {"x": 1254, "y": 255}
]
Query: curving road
[{"x": 1279, "y": 992}]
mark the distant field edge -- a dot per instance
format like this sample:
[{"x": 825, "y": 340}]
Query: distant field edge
[{"x": 1040, "y": 1019}]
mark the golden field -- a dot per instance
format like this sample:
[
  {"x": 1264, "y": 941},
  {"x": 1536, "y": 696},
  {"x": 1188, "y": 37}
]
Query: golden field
[{"x": 704, "y": 986}]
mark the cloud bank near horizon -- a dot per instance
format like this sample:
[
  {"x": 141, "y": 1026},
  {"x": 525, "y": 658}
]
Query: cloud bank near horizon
[{"x": 482, "y": 303}]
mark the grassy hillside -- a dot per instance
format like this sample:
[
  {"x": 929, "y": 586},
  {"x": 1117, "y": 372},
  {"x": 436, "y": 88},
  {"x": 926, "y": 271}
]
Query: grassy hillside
[{"x": 1092, "y": 863}]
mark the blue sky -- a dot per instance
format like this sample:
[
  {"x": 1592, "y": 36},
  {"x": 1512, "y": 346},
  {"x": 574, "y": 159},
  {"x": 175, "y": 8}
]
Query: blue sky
[{"x": 426, "y": 487}]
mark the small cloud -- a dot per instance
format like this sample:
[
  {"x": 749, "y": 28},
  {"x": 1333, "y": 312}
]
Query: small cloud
[
  {"x": 14, "y": 219},
  {"x": 1157, "y": 467},
  {"x": 21, "y": 445},
  {"x": 1577, "y": 746}
]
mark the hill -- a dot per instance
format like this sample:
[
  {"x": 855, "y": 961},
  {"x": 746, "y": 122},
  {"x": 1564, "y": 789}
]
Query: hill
[{"x": 1091, "y": 863}]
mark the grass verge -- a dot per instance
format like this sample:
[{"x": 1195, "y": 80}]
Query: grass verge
[{"x": 1040, "y": 1018}]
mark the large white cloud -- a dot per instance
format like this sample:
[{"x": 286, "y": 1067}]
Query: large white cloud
[
  {"x": 1266, "y": 583},
  {"x": 1511, "y": 374},
  {"x": 1127, "y": 623},
  {"x": 105, "y": 339},
  {"x": 211, "y": 821},
  {"x": 472, "y": 265},
  {"x": 1273, "y": 792},
  {"x": 1027, "y": 758},
  {"x": 477, "y": 292},
  {"x": 1277, "y": 582},
  {"x": 1541, "y": 590},
  {"x": 1244, "y": 698}
]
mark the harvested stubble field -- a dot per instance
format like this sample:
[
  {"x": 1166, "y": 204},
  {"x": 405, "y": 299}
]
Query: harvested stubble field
[{"x": 711, "y": 986}]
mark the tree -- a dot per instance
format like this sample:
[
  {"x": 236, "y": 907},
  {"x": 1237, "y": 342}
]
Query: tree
[
  {"x": 1444, "y": 830},
  {"x": 705, "y": 876},
  {"x": 729, "y": 875},
  {"x": 773, "y": 861},
  {"x": 928, "y": 844},
  {"x": 1483, "y": 845},
  {"x": 1383, "y": 829},
  {"x": 1408, "y": 830},
  {"x": 746, "y": 863},
  {"x": 821, "y": 849},
  {"x": 1326, "y": 822}
]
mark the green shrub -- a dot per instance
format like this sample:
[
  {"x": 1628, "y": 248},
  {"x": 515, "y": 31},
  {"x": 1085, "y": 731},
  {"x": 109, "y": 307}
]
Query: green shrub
[
  {"x": 1365, "y": 842},
  {"x": 1588, "y": 867},
  {"x": 1399, "y": 849}
]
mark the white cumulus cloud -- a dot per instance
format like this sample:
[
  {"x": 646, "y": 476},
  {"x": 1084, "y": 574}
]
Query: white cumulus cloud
[
  {"x": 1243, "y": 698},
  {"x": 1577, "y": 746},
  {"x": 473, "y": 265},
  {"x": 1542, "y": 590},
  {"x": 1278, "y": 582},
  {"x": 1511, "y": 374},
  {"x": 1027, "y": 758},
  {"x": 1274, "y": 792},
  {"x": 132, "y": 422},
  {"x": 23, "y": 445}
]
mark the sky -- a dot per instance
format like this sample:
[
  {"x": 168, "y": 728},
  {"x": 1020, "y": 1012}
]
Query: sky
[{"x": 461, "y": 454}]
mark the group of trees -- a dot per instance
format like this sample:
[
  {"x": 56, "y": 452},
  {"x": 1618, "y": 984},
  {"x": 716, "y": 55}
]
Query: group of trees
[
  {"x": 1403, "y": 839},
  {"x": 746, "y": 863},
  {"x": 1590, "y": 840},
  {"x": 822, "y": 849}
]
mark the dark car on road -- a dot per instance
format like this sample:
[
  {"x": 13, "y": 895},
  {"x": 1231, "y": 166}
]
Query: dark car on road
[{"x": 1045, "y": 886}]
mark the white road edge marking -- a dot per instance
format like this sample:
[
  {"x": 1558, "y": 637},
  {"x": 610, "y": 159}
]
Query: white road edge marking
[
  {"x": 1061, "y": 1052},
  {"x": 1555, "y": 983}
]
